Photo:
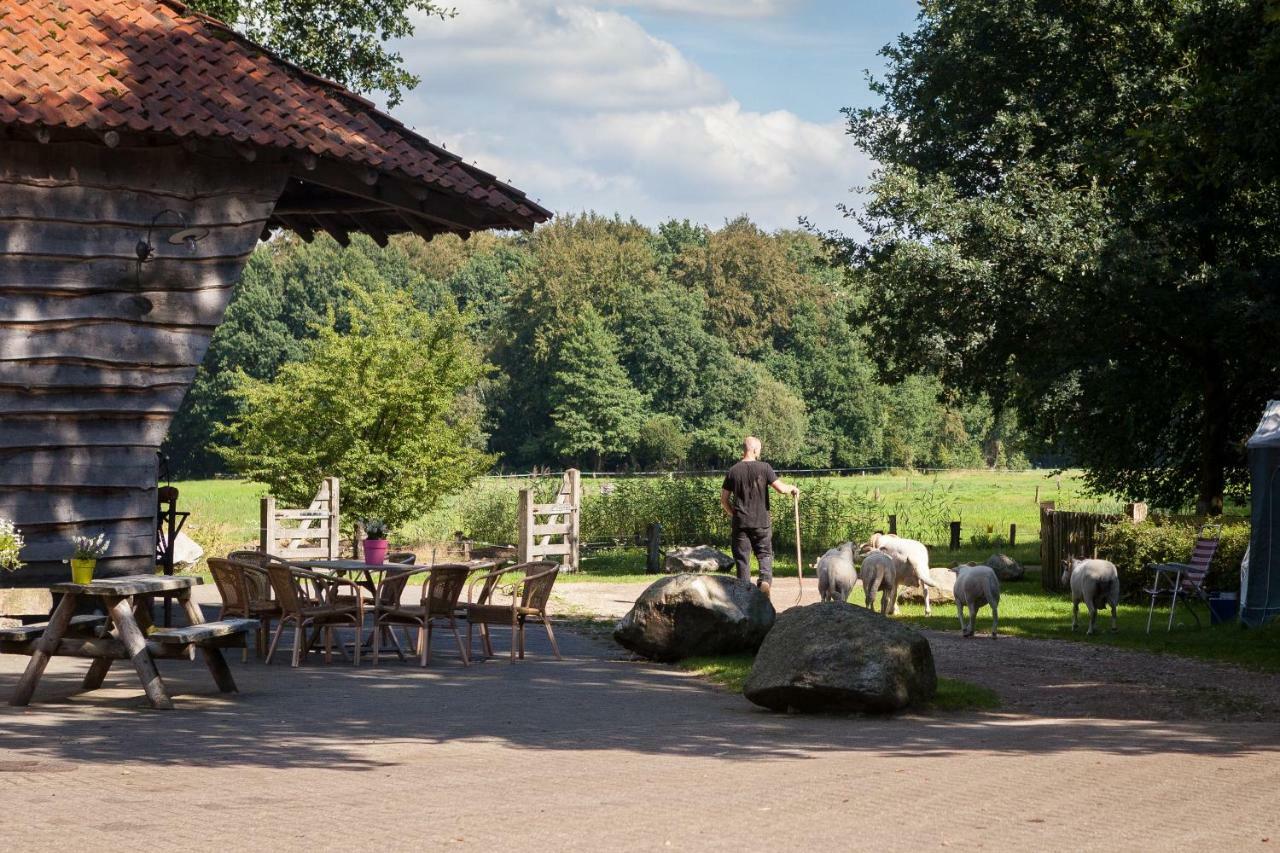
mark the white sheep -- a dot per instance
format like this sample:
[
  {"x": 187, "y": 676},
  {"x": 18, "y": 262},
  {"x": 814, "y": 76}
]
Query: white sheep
[
  {"x": 976, "y": 586},
  {"x": 1096, "y": 583},
  {"x": 879, "y": 573},
  {"x": 911, "y": 564},
  {"x": 836, "y": 574}
]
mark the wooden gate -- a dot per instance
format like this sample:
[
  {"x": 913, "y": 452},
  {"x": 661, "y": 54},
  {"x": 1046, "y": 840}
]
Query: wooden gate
[
  {"x": 303, "y": 534},
  {"x": 551, "y": 530},
  {"x": 1066, "y": 534}
]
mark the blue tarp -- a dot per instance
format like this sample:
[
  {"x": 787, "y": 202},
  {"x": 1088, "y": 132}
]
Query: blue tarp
[{"x": 1261, "y": 583}]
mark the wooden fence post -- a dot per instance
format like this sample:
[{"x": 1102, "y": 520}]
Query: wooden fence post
[
  {"x": 1048, "y": 578},
  {"x": 524, "y": 514},
  {"x": 267, "y": 525},
  {"x": 893, "y": 524},
  {"x": 1013, "y": 535},
  {"x": 335, "y": 516},
  {"x": 955, "y": 536},
  {"x": 653, "y": 565},
  {"x": 574, "y": 482}
]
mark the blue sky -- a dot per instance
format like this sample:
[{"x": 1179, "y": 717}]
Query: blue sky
[{"x": 701, "y": 109}]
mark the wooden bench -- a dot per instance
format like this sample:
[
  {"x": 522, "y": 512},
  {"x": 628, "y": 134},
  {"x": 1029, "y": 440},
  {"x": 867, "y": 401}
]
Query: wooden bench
[
  {"x": 25, "y": 633},
  {"x": 205, "y": 632}
]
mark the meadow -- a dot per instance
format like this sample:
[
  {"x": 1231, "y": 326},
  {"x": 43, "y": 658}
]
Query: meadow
[{"x": 224, "y": 513}]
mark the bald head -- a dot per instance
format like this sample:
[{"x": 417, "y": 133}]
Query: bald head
[{"x": 751, "y": 447}]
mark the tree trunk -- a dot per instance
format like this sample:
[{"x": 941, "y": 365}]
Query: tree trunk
[{"x": 1214, "y": 427}]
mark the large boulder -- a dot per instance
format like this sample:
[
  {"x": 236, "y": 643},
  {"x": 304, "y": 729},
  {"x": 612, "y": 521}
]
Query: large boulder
[
  {"x": 694, "y": 614},
  {"x": 942, "y": 593},
  {"x": 697, "y": 558},
  {"x": 837, "y": 657},
  {"x": 1007, "y": 568}
]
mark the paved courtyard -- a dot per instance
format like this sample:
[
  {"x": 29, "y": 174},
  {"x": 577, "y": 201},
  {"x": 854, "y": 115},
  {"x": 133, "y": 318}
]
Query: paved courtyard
[{"x": 599, "y": 753}]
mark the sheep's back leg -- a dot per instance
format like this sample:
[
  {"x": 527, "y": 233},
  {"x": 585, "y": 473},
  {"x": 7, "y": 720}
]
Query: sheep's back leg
[
  {"x": 960, "y": 612},
  {"x": 1075, "y": 614}
]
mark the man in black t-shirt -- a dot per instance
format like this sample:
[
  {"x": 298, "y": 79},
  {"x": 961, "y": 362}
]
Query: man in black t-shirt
[{"x": 745, "y": 499}]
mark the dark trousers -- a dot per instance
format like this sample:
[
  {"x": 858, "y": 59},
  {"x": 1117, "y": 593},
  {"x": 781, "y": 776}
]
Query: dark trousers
[{"x": 757, "y": 540}]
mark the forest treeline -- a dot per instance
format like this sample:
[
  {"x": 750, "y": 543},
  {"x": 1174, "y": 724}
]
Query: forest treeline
[{"x": 612, "y": 345}]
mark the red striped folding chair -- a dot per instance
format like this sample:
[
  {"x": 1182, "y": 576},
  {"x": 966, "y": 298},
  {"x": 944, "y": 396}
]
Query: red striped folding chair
[{"x": 1185, "y": 579}]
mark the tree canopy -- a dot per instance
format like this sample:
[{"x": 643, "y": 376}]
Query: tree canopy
[
  {"x": 1074, "y": 215},
  {"x": 342, "y": 40},
  {"x": 606, "y": 341},
  {"x": 378, "y": 398}
]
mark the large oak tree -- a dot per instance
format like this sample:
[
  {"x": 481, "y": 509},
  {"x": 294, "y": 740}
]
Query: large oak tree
[{"x": 1075, "y": 212}]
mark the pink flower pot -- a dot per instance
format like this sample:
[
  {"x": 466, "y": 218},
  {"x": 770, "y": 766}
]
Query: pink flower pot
[{"x": 375, "y": 551}]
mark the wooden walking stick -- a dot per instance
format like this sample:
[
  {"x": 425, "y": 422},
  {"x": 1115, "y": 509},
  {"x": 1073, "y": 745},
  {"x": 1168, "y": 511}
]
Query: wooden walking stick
[{"x": 795, "y": 505}]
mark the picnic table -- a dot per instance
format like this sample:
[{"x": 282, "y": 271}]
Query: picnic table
[
  {"x": 365, "y": 572},
  {"x": 122, "y": 635}
]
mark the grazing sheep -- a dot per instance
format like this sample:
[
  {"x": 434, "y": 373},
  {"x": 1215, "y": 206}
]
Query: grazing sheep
[
  {"x": 976, "y": 586},
  {"x": 911, "y": 564},
  {"x": 878, "y": 573},
  {"x": 836, "y": 574},
  {"x": 1096, "y": 583}
]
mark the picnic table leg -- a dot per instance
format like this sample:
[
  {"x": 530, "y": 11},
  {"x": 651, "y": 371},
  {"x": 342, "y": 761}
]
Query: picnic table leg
[
  {"x": 44, "y": 648},
  {"x": 97, "y": 673},
  {"x": 218, "y": 666},
  {"x": 142, "y": 606},
  {"x": 195, "y": 615},
  {"x": 136, "y": 644}
]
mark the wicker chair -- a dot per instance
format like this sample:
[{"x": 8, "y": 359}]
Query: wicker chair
[
  {"x": 440, "y": 593},
  {"x": 316, "y": 601},
  {"x": 529, "y": 597},
  {"x": 246, "y": 592}
]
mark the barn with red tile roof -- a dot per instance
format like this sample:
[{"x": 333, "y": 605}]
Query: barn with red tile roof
[{"x": 144, "y": 151}]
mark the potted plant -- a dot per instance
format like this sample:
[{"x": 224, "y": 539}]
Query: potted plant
[
  {"x": 85, "y": 557},
  {"x": 10, "y": 546},
  {"x": 375, "y": 542}
]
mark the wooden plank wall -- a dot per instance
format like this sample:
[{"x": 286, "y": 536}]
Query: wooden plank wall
[{"x": 96, "y": 353}]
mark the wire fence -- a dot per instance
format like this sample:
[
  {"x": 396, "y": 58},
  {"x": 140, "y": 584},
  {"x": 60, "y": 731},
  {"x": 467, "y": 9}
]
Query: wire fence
[{"x": 796, "y": 472}]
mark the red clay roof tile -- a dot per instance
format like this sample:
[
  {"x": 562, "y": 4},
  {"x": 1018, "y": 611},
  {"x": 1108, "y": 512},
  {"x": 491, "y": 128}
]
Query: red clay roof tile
[{"x": 150, "y": 65}]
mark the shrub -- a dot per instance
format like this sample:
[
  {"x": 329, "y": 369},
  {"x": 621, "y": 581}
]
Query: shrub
[{"x": 1133, "y": 547}]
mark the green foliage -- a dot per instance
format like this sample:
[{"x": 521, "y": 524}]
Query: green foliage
[
  {"x": 341, "y": 40},
  {"x": 1133, "y": 547},
  {"x": 11, "y": 544},
  {"x": 1073, "y": 214},
  {"x": 377, "y": 407},
  {"x": 606, "y": 340},
  {"x": 595, "y": 410},
  {"x": 663, "y": 444}
]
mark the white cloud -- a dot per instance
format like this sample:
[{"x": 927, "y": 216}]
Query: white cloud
[
  {"x": 716, "y": 8},
  {"x": 584, "y": 109},
  {"x": 571, "y": 56}
]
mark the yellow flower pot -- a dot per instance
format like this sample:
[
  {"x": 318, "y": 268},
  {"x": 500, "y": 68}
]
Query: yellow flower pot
[{"x": 82, "y": 570}]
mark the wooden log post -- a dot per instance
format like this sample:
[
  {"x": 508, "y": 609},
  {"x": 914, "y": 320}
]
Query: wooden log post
[
  {"x": 524, "y": 521},
  {"x": 1048, "y": 574},
  {"x": 98, "y": 350},
  {"x": 1013, "y": 535},
  {"x": 955, "y": 536},
  {"x": 572, "y": 487},
  {"x": 267, "y": 534},
  {"x": 653, "y": 563},
  {"x": 893, "y": 524}
]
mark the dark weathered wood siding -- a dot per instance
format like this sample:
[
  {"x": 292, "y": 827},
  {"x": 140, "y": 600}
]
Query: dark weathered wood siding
[{"x": 95, "y": 354}]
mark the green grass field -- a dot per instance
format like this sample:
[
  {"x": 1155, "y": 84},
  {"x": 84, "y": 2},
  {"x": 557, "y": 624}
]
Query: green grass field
[
  {"x": 224, "y": 513},
  {"x": 1027, "y": 610}
]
